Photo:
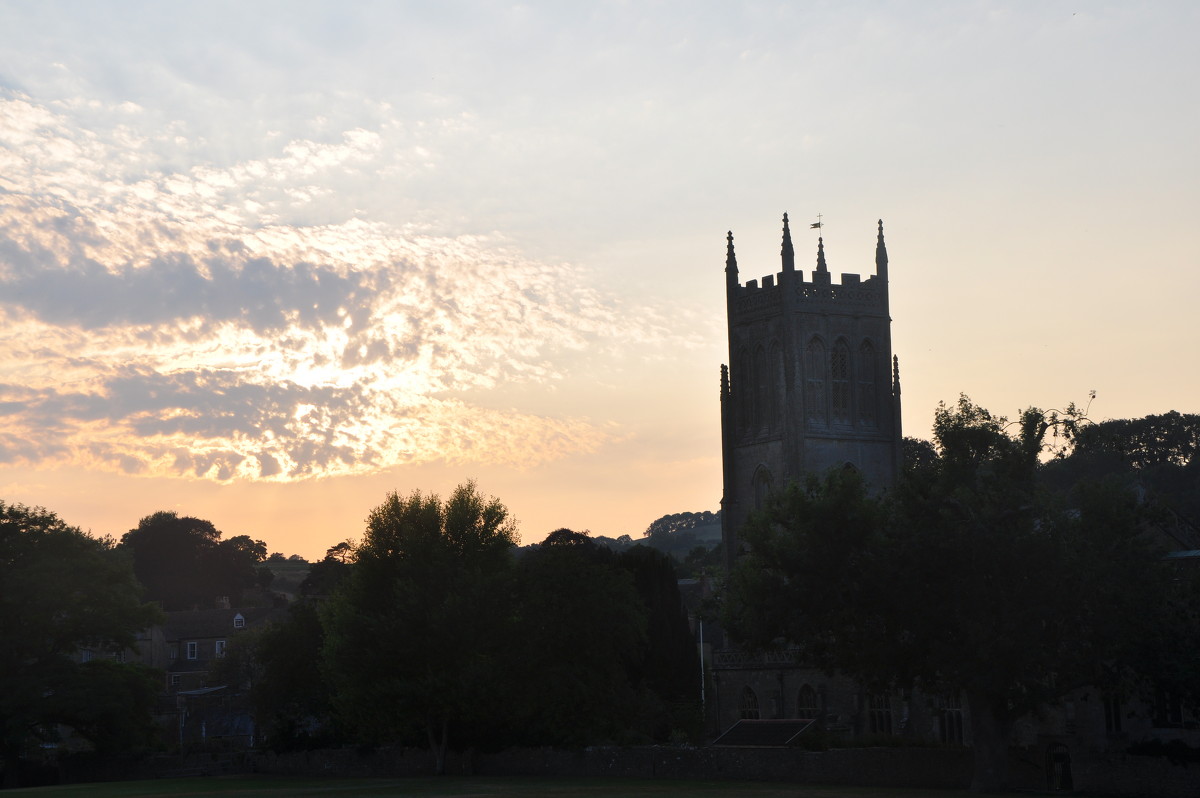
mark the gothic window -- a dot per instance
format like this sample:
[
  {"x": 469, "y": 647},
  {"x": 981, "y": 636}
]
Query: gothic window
[
  {"x": 749, "y": 705},
  {"x": 950, "y": 719},
  {"x": 1112, "y": 713},
  {"x": 839, "y": 377},
  {"x": 866, "y": 384},
  {"x": 741, "y": 390},
  {"x": 774, "y": 387},
  {"x": 761, "y": 382},
  {"x": 814, "y": 381},
  {"x": 806, "y": 703},
  {"x": 1168, "y": 709},
  {"x": 879, "y": 713},
  {"x": 761, "y": 484}
]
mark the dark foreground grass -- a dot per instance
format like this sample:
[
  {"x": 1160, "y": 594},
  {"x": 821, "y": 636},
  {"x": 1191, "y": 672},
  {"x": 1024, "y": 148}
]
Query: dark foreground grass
[{"x": 462, "y": 787}]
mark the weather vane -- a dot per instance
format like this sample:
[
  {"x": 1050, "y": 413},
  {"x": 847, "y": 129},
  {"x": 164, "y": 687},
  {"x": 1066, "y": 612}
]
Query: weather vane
[{"x": 817, "y": 224}]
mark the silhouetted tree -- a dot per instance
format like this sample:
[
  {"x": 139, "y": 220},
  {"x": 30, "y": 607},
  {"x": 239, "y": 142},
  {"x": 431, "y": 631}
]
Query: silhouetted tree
[
  {"x": 667, "y": 665},
  {"x": 281, "y": 664},
  {"x": 183, "y": 562},
  {"x": 971, "y": 578},
  {"x": 325, "y": 575},
  {"x": 581, "y": 628},
  {"x": 413, "y": 633},
  {"x": 62, "y": 591}
]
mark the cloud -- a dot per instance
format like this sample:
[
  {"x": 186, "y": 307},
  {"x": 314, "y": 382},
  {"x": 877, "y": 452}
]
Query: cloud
[{"x": 170, "y": 321}]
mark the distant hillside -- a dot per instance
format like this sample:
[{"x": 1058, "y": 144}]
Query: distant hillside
[
  {"x": 288, "y": 576},
  {"x": 678, "y": 534}
]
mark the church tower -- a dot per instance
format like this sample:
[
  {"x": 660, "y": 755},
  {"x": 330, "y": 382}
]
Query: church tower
[{"x": 811, "y": 382}]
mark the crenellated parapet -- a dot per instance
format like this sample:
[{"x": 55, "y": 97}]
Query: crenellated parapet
[{"x": 820, "y": 293}]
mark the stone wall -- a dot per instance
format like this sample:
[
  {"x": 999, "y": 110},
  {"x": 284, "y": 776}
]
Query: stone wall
[{"x": 901, "y": 767}]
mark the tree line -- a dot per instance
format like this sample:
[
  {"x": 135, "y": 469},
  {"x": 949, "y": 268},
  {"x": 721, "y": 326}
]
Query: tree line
[
  {"x": 1012, "y": 563},
  {"x": 433, "y": 630}
]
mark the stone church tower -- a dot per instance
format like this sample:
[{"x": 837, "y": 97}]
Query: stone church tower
[{"x": 811, "y": 382}]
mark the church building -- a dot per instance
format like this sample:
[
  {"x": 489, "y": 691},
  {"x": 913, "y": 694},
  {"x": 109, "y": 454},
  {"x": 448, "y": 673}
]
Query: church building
[{"x": 811, "y": 383}]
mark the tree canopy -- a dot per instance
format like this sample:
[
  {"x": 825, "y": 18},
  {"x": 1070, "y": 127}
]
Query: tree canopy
[
  {"x": 413, "y": 631},
  {"x": 968, "y": 576},
  {"x": 65, "y": 592},
  {"x": 183, "y": 562}
]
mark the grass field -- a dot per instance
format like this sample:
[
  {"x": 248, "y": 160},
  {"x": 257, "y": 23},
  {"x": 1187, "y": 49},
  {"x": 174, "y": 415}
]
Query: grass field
[{"x": 462, "y": 787}]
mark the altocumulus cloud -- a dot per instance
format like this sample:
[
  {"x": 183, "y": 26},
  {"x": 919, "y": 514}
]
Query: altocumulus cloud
[{"x": 168, "y": 321}]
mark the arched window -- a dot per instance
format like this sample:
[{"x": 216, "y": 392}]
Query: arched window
[
  {"x": 761, "y": 382},
  {"x": 814, "y": 381},
  {"x": 806, "y": 703},
  {"x": 740, "y": 380},
  {"x": 749, "y": 705},
  {"x": 950, "y": 719},
  {"x": 879, "y": 713},
  {"x": 761, "y": 484},
  {"x": 774, "y": 387},
  {"x": 839, "y": 378},
  {"x": 866, "y": 384}
]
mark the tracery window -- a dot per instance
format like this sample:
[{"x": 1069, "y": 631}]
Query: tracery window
[
  {"x": 1112, "y": 713},
  {"x": 749, "y": 705},
  {"x": 879, "y": 713},
  {"x": 950, "y": 719},
  {"x": 774, "y": 386},
  {"x": 866, "y": 384},
  {"x": 761, "y": 485},
  {"x": 839, "y": 374},
  {"x": 814, "y": 381},
  {"x": 806, "y": 703},
  {"x": 742, "y": 391},
  {"x": 761, "y": 383}
]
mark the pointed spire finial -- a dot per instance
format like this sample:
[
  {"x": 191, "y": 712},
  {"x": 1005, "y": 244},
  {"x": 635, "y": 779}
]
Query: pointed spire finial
[
  {"x": 881, "y": 259},
  {"x": 821, "y": 254},
  {"x": 896, "y": 375},
  {"x": 730, "y": 258},
  {"x": 787, "y": 253}
]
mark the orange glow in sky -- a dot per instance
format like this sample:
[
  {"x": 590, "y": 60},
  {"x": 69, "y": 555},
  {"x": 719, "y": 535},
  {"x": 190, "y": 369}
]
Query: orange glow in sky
[{"x": 263, "y": 264}]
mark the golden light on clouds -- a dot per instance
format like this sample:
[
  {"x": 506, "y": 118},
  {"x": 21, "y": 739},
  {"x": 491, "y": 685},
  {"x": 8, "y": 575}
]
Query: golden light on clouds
[{"x": 154, "y": 326}]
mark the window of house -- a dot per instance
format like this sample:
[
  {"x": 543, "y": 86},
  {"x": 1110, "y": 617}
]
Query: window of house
[
  {"x": 174, "y": 652},
  {"x": 238, "y": 621},
  {"x": 191, "y": 650},
  {"x": 174, "y": 679},
  {"x": 220, "y": 649},
  {"x": 749, "y": 705},
  {"x": 879, "y": 713},
  {"x": 85, "y": 655},
  {"x": 119, "y": 656},
  {"x": 806, "y": 702}
]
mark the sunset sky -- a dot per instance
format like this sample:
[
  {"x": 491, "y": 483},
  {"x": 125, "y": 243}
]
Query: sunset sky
[{"x": 263, "y": 262}]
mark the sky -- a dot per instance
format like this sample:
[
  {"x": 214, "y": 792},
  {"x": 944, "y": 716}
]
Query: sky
[{"x": 263, "y": 263}]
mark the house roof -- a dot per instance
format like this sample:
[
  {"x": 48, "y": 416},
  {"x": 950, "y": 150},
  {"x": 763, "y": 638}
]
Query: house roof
[{"x": 215, "y": 623}]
